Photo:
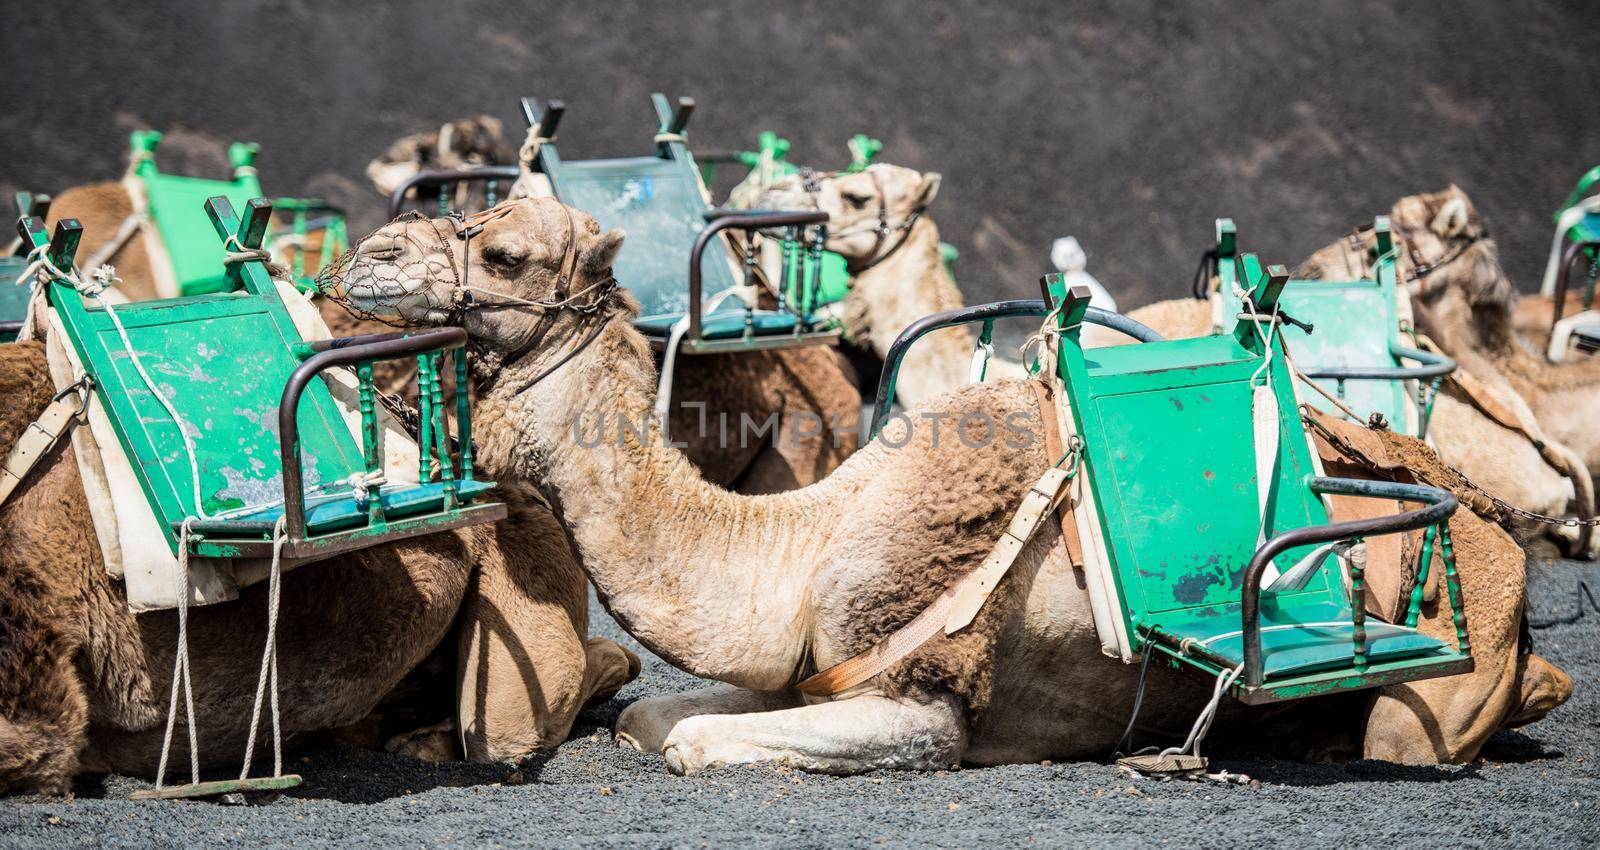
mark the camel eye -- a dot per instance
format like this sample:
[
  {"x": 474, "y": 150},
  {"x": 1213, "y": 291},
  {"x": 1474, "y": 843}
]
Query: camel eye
[
  {"x": 506, "y": 258},
  {"x": 856, "y": 202}
]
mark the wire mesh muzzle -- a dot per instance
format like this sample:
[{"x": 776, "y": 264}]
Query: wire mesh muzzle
[{"x": 402, "y": 285}]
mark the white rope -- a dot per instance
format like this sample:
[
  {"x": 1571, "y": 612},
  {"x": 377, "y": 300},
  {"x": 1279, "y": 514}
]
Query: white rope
[
  {"x": 269, "y": 661},
  {"x": 1047, "y": 338},
  {"x": 1202, "y": 724},
  {"x": 180, "y": 670},
  {"x": 662, "y": 138},
  {"x": 669, "y": 362}
]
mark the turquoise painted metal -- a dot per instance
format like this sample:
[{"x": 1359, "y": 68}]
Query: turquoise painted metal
[
  {"x": 267, "y": 439},
  {"x": 1587, "y": 229},
  {"x": 1167, "y": 449},
  {"x": 15, "y": 292},
  {"x": 673, "y": 260},
  {"x": 1350, "y": 337},
  {"x": 176, "y": 204}
]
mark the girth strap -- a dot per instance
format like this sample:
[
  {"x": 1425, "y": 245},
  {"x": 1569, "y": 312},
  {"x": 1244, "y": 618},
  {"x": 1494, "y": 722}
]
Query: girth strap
[{"x": 39, "y": 436}]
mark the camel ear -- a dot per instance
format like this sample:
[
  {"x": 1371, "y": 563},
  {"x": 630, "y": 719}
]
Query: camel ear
[
  {"x": 1451, "y": 220},
  {"x": 491, "y": 125},
  {"x": 601, "y": 254},
  {"x": 928, "y": 189}
]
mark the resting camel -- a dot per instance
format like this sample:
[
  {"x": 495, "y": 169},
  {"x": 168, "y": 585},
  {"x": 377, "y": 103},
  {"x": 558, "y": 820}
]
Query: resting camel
[
  {"x": 467, "y": 143},
  {"x": 758, "y": 592},
  {"x": 897, "y": 277},
  {"x": 84, "y": 682},
  {"x": 1501, "y": 447},
  {"x": 1467, "y": 303}
]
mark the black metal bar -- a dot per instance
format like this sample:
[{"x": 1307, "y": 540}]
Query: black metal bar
[
  {"x": 884, "y": 399},
  {"x": 338, "y": 352},
  {"x": 1433, "y": 366},
  {"x": 735, "y": 221},
  {"x": 431, "y": 179},
  {"x": 1440, "y": 505},
  {"x": 11, "y": 328},
  {"x": 1567, "y": 261},
  {"x": 680, "y": 115}
]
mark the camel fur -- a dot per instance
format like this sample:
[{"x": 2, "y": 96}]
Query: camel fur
[{"x": 758, "y": 592}]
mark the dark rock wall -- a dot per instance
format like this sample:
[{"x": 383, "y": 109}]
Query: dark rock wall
[{"x": 1131, "y": 125}]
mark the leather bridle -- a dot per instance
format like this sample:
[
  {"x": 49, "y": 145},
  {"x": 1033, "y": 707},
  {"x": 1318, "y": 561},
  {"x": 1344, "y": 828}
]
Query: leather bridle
[
  {"x": 882, "y": 230},
  {"x": 465, "y": 298},
  {"x": 1420, "y": 267}
]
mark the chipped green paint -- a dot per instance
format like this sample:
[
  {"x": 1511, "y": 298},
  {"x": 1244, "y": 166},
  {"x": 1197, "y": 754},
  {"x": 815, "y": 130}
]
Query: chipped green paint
[
  {"x": 223, "y": 361},
  {"x": 218, "y": 788},
  {"x": 1169, "y": 455}
]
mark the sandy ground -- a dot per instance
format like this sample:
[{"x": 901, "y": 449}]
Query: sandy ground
[{"x": 1538, "y": 787}]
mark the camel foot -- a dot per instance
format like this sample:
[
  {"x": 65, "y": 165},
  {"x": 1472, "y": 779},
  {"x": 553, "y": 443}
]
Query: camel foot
[
  {"x": 846, "y": 736},
  {"x": 644, "y": 725},
  {"x": 610, "y": 667},
  {"x": 434, "y": 744}
]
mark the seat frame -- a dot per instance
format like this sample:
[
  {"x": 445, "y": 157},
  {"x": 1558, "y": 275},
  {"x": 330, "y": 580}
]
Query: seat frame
[
  {"x": 255, "y": 292},
  {"x": 1415, "y": 386}
]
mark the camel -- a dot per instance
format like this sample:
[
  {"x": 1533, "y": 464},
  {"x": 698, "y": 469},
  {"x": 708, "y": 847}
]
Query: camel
[
  {"x": 895, "y": 278},
  {"x": 84, "y": 682},
  {"x": 1543, "y": 473},
  {"x": 467, "y": 143},
  {"x": 1521, "y": 407},
  {"x": 1467, "y": 303},
  {"x": 757, "y": 592}
]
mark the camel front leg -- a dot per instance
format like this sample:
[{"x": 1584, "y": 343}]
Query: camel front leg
[
  {"x": 846, "y": 736},
  {"x": 645, "y": 725}
]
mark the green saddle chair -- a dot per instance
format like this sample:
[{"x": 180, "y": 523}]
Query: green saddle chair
[
  {"x": 176, "y": 206},
  {"x": 1577, "y": 236},
  {"x": 676, "y": 259},
  {"x": 1199, "y": 565},
  {"x": 247, "y": 434},
  {"x": 1350, "y": 336},
  {"x": 1179, "y": 561}
]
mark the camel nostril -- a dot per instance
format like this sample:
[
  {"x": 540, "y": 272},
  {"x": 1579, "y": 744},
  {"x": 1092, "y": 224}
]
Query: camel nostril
[{"x": 379, "y": 246}]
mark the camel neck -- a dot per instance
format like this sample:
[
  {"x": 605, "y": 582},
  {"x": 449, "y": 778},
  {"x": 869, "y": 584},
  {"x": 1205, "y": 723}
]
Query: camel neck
[
  {"x": 710, "y": 580},
  {"x": 910, "y": 284}
]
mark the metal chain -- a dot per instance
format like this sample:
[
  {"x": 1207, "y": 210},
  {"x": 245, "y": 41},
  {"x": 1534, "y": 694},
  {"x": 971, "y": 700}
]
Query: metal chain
[{"x": 1460, "y": 480}]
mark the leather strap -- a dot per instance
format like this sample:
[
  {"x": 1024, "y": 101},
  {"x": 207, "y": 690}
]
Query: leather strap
[
  {"x": 956, "y": 608},
  {"x": 36, "y": 441},
  {"x": 1054, "y": 448}
]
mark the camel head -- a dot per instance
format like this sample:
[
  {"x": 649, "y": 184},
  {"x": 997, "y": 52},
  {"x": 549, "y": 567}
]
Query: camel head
[
  {"x": 455, "y": 144},
  {"x": 1447, "y": 260},
  {"x": 494, "y": 273},
  {"x": 860, "y": 205}
]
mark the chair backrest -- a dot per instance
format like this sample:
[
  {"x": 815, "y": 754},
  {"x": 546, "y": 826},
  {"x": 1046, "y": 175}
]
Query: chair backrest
[
  {"x": 1169, "y": 452},
  {"x": 222, "y": 361},
  {"x": 176, "y": 205},
  {"x": 1356, "y": 323},
  {"x": 657, "y": 199}
]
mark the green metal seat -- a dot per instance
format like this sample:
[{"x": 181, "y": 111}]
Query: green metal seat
[
  {"x": 676, "y": 260},
  {"x": 1351, "y": 337},
  {"x": 175, "y": 203},
  {"x": 176, "y": 206},
  {"x": 266, "y": 436},
  {"x": 1172, "y": 473}
]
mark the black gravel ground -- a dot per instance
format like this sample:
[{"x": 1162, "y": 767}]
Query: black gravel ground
[{"x": 1534, "y": 788}]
